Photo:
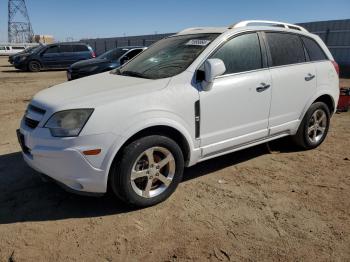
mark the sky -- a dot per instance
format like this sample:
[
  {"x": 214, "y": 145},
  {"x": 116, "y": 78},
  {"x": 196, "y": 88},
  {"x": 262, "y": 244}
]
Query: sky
[{"x": 107, "y": 18}]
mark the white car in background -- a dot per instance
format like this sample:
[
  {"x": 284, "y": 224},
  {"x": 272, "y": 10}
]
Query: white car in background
[
  {"x": 199, "y": 94},
  {"x": 7, "y": 49}
]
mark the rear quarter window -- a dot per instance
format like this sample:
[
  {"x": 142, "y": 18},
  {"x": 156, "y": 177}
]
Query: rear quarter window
[
  {"x": 80, "y": 48},
  {"x": 313, "y": 49},
  {"x": 285, "y": 49}
]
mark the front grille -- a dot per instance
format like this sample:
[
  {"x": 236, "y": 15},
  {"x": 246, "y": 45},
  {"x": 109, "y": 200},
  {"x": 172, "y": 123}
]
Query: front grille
[{"x": 31, "y": 123}]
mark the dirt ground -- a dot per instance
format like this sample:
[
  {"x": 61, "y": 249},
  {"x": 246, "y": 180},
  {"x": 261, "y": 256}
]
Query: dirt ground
[{"x": 253, "y": 205}]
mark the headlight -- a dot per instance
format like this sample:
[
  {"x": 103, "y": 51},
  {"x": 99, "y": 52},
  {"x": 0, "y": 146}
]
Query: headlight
[
  {"x": 22, "y": 58},
  {"x": 68, "y": 123}
]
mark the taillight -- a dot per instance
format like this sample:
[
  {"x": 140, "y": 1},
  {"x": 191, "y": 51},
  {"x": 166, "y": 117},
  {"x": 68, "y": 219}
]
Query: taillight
[
  {"x": 336, "y": 67},
  {"x": 93, "y": 54}
]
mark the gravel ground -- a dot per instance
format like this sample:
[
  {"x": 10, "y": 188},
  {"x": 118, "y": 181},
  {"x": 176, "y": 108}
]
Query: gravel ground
[{"x": 262, "y": 204}]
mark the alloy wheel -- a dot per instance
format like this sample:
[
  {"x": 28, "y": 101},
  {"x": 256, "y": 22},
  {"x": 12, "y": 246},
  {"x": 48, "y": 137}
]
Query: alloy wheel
[
  {"x": 153, "y": 172},
  {"x": 317, "y": 126}
]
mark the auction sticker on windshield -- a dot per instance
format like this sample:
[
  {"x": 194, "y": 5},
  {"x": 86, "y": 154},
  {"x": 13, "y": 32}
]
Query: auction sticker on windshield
[{"x": 199, "y": 42}]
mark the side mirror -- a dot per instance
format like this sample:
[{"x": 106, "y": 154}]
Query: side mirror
[{"x": 212, "y": 68}]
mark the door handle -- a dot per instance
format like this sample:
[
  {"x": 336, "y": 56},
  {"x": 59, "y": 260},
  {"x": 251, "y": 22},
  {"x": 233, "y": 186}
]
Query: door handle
[
  {"x": 309, "y": 77},
  {"x": 262, "y": 88}
]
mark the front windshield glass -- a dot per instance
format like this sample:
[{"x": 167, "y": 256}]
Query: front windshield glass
[
  {"x": 37, "y": 49},
  {"x": 114, "y": 54},
  {"x": 167, "y": 57}
]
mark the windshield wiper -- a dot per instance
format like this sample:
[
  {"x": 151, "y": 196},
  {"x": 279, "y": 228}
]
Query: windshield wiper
[{"x": 134, "y": 74}]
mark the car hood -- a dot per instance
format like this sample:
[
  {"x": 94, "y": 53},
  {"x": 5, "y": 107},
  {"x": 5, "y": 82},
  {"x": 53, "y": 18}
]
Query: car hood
[
  {"x": 89, "y": 62},
  {"x": 95, "y": 90}
]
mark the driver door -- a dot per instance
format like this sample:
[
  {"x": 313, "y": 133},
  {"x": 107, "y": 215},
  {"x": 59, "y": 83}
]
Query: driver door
[
  {"x": 236, "y": 110},
  {"x": 51, "y": 57}
]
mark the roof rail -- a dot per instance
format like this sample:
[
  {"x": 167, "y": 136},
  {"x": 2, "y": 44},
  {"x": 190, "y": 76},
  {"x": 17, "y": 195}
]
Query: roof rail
[{"x": 267, "y": 23}]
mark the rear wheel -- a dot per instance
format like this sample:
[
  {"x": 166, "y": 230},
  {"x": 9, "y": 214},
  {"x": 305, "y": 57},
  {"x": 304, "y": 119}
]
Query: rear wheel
[
  {"x": 314, "y": 127},
  {"x": 34, "y": 66},
  {"x": 149, "y": 171}
]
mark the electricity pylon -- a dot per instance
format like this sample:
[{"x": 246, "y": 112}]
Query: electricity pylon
[{"x": 19, "y": 26}]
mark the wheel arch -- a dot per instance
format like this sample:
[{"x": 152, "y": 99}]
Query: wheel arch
[
  {"x": 328, "y": 100},
  {"x": 163, "y": 130},
  {"x": 322, "y": 97},
  {"x": 159, "y": 129}
]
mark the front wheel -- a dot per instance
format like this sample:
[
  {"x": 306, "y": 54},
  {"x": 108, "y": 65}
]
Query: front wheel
[
  {"x": 149, "y": 171},
  {"x": 34, "y": 66},
  {"x": 314, "y": 127}
]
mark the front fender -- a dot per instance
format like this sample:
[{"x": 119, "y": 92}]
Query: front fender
[{"x": 138, "y": 125}]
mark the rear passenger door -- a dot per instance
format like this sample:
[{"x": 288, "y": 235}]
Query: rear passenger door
[
  {"x": 293, "y": 80},
  {"x": 67, "y": 55}
]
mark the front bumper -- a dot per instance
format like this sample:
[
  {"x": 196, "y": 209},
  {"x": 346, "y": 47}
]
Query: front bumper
[
  {"x": 62, "y": 159},
  {"x": 20, "y": 65}
]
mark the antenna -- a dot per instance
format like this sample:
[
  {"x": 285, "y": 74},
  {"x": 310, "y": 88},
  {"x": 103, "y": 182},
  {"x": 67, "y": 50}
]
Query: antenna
[{"x": 19, "y": 26}]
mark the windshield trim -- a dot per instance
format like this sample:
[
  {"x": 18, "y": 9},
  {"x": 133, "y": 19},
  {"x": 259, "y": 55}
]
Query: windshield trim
[{"x": 120, "y": 69}]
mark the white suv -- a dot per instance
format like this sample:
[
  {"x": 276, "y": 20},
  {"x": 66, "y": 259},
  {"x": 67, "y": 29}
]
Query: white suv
[{"x": 199, "y": 94}]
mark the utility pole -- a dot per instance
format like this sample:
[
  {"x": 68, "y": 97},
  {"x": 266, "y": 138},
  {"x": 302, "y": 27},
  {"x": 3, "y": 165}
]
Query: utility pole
[{"x": 19, "y": 27}]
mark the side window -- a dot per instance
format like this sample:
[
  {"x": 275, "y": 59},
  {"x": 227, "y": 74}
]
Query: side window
[
  {"x": 52, "y": 50},
  {"x": 66, "y": 49},
  {"x": 18, "y": 48},
  {"x": 2, "y": 48},
  {"x": 240, "y": 54},
  {"x": 285, "y": 49},
  {"x": 133, "y": 53},
  {"x": 80, "y": 48},
  {"x": 314, "y": 50}
]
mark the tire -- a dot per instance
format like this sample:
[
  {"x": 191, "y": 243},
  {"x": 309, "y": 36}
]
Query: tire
[
  {"x": 34, "y": 66},
  {"x": 309, "y": 135},
  {"x": 148, "y": 171}
]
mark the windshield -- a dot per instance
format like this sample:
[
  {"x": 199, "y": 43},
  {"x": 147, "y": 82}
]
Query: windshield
[
  {"x": 38, "y": 49},
  {"x": 167, "y": 57},
  {"x": 30, "y": 49},
  {"x": 114, "y": 54}
]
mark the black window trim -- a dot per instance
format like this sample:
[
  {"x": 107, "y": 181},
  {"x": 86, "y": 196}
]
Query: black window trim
[
  {"x": 307, "y": 52},
  {"x": 307, "y": 57},
  {"x": 262, "y": 50},
  {"x": 270, "y": 64},
  {"x": 48, "y": 47},
  {"x": 132, "y": 49}
]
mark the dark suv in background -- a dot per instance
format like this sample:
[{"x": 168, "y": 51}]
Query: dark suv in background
[
  {"x": 103, "y": 63},
  {"x": 54, "y": 56}
]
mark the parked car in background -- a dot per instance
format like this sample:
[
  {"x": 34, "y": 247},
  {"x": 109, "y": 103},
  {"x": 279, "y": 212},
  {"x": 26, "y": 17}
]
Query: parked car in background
[
  {"x": 28, "y": 50},
  {"x": 190, "y": 97},
  {"x": 54, "y": 56},
  {"x": 103, "y": 63},
  {"x": 9, "y": 49}
]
